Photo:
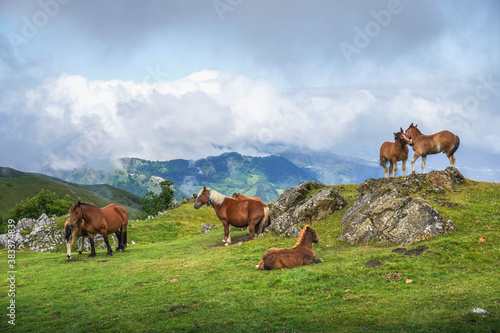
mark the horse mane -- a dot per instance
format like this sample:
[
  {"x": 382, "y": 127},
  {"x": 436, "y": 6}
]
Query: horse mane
[
  {"x": 302, "y": 235},
  {"x": 73, "y": 206},
  {"x": 415, "y": 127},
  {"x": 216, "y": 197}
]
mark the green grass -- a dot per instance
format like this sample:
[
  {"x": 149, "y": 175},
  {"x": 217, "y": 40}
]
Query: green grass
[{"x": 176, "y": 279}]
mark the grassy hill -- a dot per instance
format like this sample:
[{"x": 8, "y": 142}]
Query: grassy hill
[
  {"x": 16, "y": 186},
  {"x": 175, "y": 279},
  {"x": 265, "y": 177}
]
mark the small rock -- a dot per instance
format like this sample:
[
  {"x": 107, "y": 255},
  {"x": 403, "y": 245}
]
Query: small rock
[{"x": 479, "y": 311}]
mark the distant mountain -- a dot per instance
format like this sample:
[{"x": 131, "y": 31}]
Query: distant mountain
[
  {"x": 265, "y": 177},
  {"x": 333, "y": 169},
  {"x": 16, "y": 186}
]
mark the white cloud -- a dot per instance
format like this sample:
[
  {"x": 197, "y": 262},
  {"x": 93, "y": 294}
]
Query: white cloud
[{"x": 77, "y": 122}]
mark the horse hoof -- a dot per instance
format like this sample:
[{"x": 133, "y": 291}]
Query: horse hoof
[
  {"x": 121, "y": 250},
  {"x": 91, "y": 256},
  {"x": 109, "y": 254}
]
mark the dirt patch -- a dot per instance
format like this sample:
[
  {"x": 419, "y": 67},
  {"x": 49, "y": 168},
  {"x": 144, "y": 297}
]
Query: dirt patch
[
  {"x": 179, "y": 307},
  {"x": 399, "y": 250},
  {"x": 416, "y": 251},
  {"x": 373, "y": 263},
  {"x": 73, "y": 260}
]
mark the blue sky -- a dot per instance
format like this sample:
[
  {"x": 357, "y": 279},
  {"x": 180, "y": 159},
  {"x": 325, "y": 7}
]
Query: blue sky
[{"x": 87, "y": 82}]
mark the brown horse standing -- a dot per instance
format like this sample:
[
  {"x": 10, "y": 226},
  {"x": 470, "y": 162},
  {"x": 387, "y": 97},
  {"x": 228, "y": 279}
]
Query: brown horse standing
[
  {"x": 87, "y": 219},
  {"x": 301, "y": 254},
  {"x": 394, "y": 152},
  {"x": 238, "y": 213},
  {"x": 424, "y": 145}
]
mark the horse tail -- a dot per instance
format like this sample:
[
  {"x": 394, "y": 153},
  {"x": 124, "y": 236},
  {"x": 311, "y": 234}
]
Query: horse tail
[
  {"x": 264, "y": 222},
  {"x": 455, "y": 146}
]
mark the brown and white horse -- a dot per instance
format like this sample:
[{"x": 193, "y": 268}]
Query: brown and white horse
[
  {"x": 301, "y": 254},
  {"x": 393, "y": 152},
  {"x": 238, "y": 213},
  {"x": 88, "y": 220},
  {"x": 424, "y": 145}
]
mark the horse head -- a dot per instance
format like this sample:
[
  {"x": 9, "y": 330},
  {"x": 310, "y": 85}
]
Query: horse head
[
  {"x": 314, "y": 237},
  {"x": 412, "y": 131},
  {"x": 402, "y": 137},
  {"x": 203, "y": 198},
  {"x": 76, "y": 213}
]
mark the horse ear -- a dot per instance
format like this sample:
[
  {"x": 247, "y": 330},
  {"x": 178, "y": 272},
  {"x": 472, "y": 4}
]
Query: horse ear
[
  {"x": 401, "y": 129},
  {"x": 416, "y": 125}
]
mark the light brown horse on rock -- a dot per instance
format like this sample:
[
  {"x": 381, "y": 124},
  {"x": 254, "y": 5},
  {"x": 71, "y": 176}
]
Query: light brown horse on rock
[
  {"x": 424, "y": 145},
  {"x": 87, "y": 220},
  {"x": 393, "y": 152},
  {"x": 301, "y": 254},
  {"x": 238, "y": 213}
]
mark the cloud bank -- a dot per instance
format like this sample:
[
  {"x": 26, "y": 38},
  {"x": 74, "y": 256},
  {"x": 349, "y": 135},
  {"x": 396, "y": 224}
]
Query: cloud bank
[{"x": 69, "y": 121}]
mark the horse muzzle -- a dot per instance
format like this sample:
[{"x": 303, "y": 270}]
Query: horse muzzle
[{"x": 197, "y": 206}]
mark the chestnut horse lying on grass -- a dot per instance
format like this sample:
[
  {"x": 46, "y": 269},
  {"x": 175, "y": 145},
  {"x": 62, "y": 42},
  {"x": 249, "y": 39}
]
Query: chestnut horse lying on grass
[
  {"x": 301, "y": 254},
  {"x": 394, "y": 152},
  {"x": 88, "y": 220}
]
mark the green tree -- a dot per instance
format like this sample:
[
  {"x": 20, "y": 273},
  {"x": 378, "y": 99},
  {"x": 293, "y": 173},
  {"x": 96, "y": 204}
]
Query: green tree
[
  {"x": 44, "y": 202},
  {"x": 153, "y": 203}
]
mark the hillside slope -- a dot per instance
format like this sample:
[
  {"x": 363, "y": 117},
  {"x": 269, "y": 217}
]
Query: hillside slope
[
  {"x": 16, "y": 186},
  {"x": 176, "y": 279}
]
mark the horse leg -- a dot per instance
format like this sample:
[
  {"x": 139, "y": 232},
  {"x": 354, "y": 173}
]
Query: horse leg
[
  {"x": 404, "y": 167},
  {"x": 80, "y": 245},
  {"x": 92, "y": 247},
  {"x": 105, "y": 236},
  {"x": 452, "y": 160},
  {"x": 391, "y": 167},
  {"x": 68, "y": 245},
  {"x": 384, "y": 165},
  {"x": 424, "y": 159},
  {"x": 395, "y": 163},
  {"x": 415, "y": 157},
  {"x": 227, "y": 237},
  {"x": 251, "y": 228}
]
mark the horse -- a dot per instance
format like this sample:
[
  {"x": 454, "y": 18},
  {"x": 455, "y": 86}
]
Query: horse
[
  {"x": 424, "y": 145},
  {"x": 69, "y": 242},
  {"x": 238, "y": 213},
  {"x": 240, "y": 196},
  {"x": 394, "y": 152},
  {"x": 301, "y": 254},
  {"x": 87, "y": 219}
]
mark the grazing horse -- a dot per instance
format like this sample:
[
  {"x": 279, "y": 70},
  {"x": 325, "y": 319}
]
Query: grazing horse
[
  {"x": 238, "y": 213},
  {"x": 70, "y": 242},
  {"x": 424, "y": 145},
  {"x": 87, "y": 219},
  {"x": 394, "y": 152},
  {"x": 240, "y": 196},
  {"x": 301, "y": 254}
]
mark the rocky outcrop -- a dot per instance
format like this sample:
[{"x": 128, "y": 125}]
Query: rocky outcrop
[
  {"x": 386, "y": 209},
  {"x": 43, "y": 235},
  {"x": 296, "y": 206},
  {"x": 37, "y": 235}
]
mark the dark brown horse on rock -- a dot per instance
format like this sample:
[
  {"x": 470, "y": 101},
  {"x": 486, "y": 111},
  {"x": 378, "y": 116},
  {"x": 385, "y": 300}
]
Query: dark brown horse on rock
[{"x": 424, "y": 145}]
